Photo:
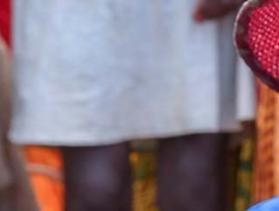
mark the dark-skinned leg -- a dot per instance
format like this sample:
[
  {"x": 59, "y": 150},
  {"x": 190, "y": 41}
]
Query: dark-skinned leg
[
  {"x": 191, "y": 173},
  {"x": 98, "y": 178}
]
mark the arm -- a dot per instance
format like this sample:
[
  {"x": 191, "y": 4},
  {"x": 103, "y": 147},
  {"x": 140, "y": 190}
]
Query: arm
[{"x": 213, "y": 9}]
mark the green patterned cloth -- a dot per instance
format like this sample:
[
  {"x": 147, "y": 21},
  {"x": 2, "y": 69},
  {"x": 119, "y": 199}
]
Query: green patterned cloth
[{"x": 245, "y": 172}]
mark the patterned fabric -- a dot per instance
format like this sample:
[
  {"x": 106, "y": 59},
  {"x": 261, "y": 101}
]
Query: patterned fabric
[
  {"x": 245, "y": 170},
  {"x": 266, "y": 177},
  {"x": 45, "y": 168},
  {"x": 257, "y": 37},
  {"x": 144, "y": 186}
]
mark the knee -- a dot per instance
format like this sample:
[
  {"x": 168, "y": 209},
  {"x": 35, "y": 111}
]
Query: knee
[
  {"x": 98, "y": 187},
  {"x": 196, "y": 180},
  {"x": 100, "y": 190}
]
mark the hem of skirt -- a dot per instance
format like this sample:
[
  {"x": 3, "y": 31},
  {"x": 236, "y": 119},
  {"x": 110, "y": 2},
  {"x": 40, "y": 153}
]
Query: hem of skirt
[{"x": 91, "y": 140}]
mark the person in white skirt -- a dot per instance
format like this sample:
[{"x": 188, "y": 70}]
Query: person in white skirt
[{"x": 92, "y": 75}]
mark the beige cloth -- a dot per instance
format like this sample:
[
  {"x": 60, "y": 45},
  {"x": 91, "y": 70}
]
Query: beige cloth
[{"x": 15, "y": 192}]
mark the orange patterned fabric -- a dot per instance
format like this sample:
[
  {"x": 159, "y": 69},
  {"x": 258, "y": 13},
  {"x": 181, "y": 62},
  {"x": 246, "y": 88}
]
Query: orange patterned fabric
[
  {"x": 45, "y": 167},
  {"x": 266, "y": 179},
  {"x": 144, "y": 185}
]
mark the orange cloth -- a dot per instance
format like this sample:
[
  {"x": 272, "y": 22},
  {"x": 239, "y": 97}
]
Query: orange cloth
[
  {"x": 45, "y": 167},
  {"x": 266, "y": 178}
]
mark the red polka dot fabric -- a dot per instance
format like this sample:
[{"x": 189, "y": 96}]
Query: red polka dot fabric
[{"x": 257, "y": 38}]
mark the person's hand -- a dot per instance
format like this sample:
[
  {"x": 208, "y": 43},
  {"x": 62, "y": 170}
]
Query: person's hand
[{"x": 212, "y": 9}]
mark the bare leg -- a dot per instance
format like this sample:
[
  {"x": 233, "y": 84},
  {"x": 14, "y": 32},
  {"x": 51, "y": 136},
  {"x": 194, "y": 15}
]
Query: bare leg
[
  {"x": 191, "y": 173},
  {"x": 98, "y": 178}
]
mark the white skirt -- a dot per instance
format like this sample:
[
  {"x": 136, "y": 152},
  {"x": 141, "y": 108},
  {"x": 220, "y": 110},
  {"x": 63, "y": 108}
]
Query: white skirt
[{"x": 100, "y": 72}]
